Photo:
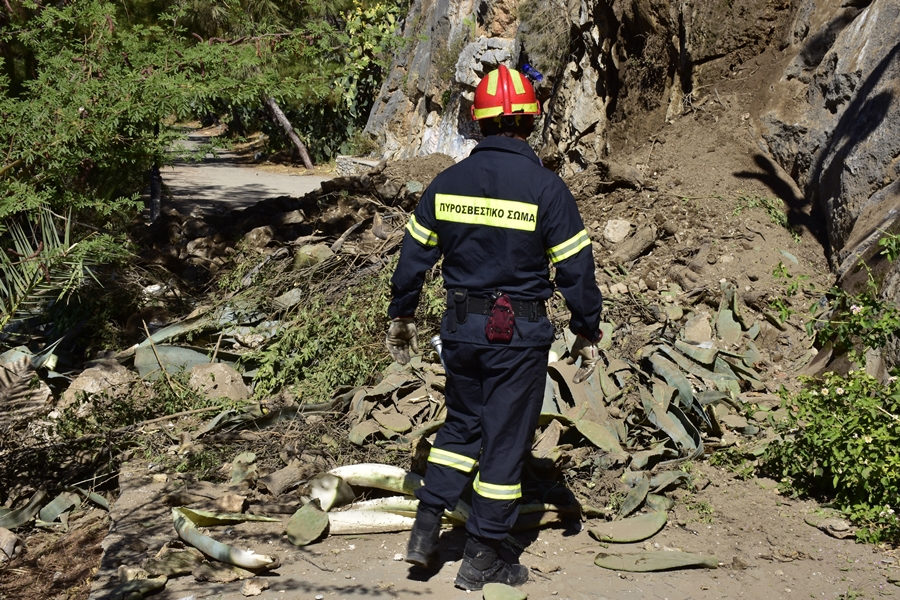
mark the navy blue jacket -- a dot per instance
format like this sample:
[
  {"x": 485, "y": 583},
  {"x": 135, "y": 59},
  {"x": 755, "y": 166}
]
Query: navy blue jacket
[{"x": 500, "y": 218}]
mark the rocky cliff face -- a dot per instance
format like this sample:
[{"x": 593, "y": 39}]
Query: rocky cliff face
[
  {"x": 831, "y": 119},
  {"x": 605, "y": 63},
  {"x": 615, "y": 71}
]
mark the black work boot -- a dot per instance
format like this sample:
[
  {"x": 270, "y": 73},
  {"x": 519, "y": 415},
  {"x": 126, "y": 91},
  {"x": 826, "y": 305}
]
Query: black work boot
[
  {"x": 422, "y": 548},
  {"x": 481, "y": 565}
]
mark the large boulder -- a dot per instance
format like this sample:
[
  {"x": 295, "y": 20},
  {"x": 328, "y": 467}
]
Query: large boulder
[
  {"x": 623, "y": 59},
  {"x": 831, "y": 119},
  {"x": 218, "y": 380},
  {"x": 107, "y": 377},
  {"x": 833, "y": 122}
]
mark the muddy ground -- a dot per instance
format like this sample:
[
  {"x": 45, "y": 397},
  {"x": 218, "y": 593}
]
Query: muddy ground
[{"x": 696, "y": 188}]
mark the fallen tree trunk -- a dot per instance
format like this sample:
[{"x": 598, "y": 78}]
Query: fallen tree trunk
[{"x": 278, "y": 116}]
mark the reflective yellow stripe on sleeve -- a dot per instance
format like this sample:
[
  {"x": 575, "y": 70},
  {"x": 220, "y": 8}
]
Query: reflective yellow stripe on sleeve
[
  {"x": 492, "y": 212},
  {"x": 452, "y": 460},
  {"x": 496, "y": 492},
  {"x": 423, "y": 235},
  {"x": 570, "y": 247}
]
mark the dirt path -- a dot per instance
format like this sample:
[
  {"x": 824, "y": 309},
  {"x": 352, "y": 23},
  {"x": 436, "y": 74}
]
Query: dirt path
[
  {"x": 230, "y": 180},
  {"x": 764, "y": 548}
]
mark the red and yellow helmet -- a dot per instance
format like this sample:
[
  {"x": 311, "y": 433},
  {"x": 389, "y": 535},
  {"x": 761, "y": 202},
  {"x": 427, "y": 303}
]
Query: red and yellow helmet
[{"x": 504, "y": 92}]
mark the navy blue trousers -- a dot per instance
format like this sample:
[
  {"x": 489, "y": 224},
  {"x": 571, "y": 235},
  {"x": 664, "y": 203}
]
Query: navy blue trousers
[{"x": 494, "y": 396}]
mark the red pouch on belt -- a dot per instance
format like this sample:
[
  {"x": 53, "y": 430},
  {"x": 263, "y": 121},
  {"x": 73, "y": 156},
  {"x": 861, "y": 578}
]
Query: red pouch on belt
[{"x": 501, "y": 321}]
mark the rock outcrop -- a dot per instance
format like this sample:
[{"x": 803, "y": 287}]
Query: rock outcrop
[
  {"x": 604, "y": 62},
  {"x": 832, "y": 120},
  {"x": 617, "y": 70}
]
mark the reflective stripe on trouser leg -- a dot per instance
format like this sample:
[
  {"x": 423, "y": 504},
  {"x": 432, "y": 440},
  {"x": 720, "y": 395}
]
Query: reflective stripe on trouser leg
[
  {"x": 494, "y": 397},
  {"x": 450, "y": 462},
  {"x": 451, "y": 459},
  {"x": 496, "y": 492}
]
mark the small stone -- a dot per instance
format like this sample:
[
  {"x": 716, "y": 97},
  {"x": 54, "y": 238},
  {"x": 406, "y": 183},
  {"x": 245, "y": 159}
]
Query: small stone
[
  {"x": 260, "y": 237},
  {"x": 674, "y": 313},
  {"x": 218, "y": 380},
  {"x": 254, "y": 587},
  {"x": 159, "y": 478},
  {"x": 398, "y": 557},
  {"x": 618, "y": 289},
  {"x": 698, "y": 329},
  {"x": 310, "y": 255},
  {"x": 616, "y": 230},
  {"x": 726, "y": 259}
]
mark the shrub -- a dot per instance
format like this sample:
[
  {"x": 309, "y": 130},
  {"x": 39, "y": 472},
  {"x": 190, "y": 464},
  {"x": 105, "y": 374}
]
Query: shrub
[{"x": 842, "y": 441}]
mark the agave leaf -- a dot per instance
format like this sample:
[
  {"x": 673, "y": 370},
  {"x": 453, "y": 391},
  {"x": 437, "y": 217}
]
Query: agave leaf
[
  {"x": 20, "y": 516},
  {"x": 644, "y": 562},
  {"x": 657, "y": 502},
  {"x": 672, "y": 427},
  {"x": 246, "y": 559},
  {"x": 673, "y": 377},
  {"x": 354, "y": 522},
  {"x": 698, "y": 352},
  {"x": 599, "y": 435},
  {"x": 58, "y": 506},
  {"x": 633, "y": 529},
  {"x": 635, "y": 497},
  {"x": 727, "y": 329},
  {"x": 307, "y": 524},
  {"x": 205, "y": 518}
]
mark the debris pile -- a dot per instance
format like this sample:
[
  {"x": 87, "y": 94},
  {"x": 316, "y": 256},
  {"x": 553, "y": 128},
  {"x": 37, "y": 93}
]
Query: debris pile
[{"x": 692, "y": 361}]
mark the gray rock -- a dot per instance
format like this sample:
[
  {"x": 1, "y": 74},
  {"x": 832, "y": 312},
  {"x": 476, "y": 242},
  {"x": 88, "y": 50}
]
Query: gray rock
[
  {"x": 108, "y": 376},
  {"x": 311, "y": 254},
  {"x": 217, "y": 380},
  {"x": 698, "y": 329},
  {"x": 259, "y": 237},
  {"x": 616, "y": 230}
]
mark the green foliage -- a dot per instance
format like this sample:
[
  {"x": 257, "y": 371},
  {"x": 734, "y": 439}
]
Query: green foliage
[
  {"x": 782, "y": 307},
  {"x": 327, "y": 345},
  {"x": 702, "y": 508},
  {"x": 358, "y": 43},
  {"x": 545, "y": 33},
  {"x": 446, "y": 56},
  {"x": 41, "y": 264},
  {"x": 333, "y": 343},
  {"x": 842, "y": 441},
  {"x": 735, "y": 461},
  {"x": 858, "y": 321},
  {"x": 774, "y": 207},
  {"x": 85, "y": 86},
  {"x": 890, "y": 246},
  {"x": 120, "y": 408}
]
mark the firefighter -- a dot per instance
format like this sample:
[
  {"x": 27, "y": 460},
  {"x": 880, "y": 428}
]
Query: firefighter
[{"x": 499, "y": 218}]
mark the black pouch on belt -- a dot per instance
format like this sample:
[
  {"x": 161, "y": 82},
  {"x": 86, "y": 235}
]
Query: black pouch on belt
[
  {"x": 458, "y": 302},
  {"x": 501, "y": 321}
]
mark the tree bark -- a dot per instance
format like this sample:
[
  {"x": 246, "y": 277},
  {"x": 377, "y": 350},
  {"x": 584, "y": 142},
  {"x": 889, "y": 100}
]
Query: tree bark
[
  {"x": 155, "y": 193},
  {"x": 279, "y": 117}
]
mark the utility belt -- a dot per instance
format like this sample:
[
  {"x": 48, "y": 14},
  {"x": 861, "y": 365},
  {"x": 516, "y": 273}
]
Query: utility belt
[{"x": 500, "y": 309}]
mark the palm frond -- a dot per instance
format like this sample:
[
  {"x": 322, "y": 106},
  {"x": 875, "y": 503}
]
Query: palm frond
[{"x": 38, "y": 262}]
